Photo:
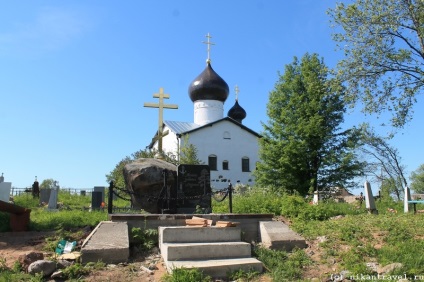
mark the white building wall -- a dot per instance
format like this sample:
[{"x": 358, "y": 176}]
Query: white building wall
[{"x": 210, "y": 140}]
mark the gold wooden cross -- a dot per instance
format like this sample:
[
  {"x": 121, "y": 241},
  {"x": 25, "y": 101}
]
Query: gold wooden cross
[
  {"x": 209, "y": 43},
  {"x": 161, "y": 105}
]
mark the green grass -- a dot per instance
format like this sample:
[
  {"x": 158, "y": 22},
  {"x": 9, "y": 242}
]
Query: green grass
[{"x": 350, "y": 242}]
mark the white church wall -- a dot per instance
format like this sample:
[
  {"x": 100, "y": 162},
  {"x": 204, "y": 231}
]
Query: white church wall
[
  {"x": 207, "y": 111},
  {"x": 210, "y": 140}
]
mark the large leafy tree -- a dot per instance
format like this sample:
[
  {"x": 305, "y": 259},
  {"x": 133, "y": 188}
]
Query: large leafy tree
[
  {"x": 383, "y": 43},
  {"x": 303, "y": 147},
  {"x": 417, "y": 178}
]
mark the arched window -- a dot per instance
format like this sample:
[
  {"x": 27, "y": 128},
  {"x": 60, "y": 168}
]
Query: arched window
[
  {"x": 245, "y": 166},
  {"x": 227, "y": 135},
  {"x": 212, "y": 162},
  {"x": 225, "y": 165}
]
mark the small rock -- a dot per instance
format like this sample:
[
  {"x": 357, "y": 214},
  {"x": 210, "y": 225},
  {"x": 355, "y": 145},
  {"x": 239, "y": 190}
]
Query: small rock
[
  {"x": 62, "y": 263},
  {"x": 57, "y": 274},
  {"x": 152, "y": 266},
  {"x": 46, "y": 267},
  {"x": 27, "y": 259},
  {"x": 336, "y": 217},
  {"x": 389, "y": 268},
  {"x": 315, "y": 280},
  {"x": 373, "y": 266},
  {"x": 322, "y": 239}
]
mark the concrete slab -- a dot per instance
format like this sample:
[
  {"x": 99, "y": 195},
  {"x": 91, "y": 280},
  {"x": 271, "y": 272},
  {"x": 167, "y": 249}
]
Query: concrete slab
[
  {"x": 108, "y": 242},
  {"x": 278, "y": 236},
  {"x": 218, "y": 268},
  {"x": 205, "y": 251}
]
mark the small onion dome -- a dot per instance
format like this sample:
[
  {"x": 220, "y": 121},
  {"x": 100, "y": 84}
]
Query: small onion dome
[
  {"x": 237, "y": 112},
  {"x": 208, "y": 86}
]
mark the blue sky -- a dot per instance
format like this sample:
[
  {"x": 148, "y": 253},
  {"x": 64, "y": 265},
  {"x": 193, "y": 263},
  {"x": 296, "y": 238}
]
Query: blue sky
[{"x": 74, "y": 75}]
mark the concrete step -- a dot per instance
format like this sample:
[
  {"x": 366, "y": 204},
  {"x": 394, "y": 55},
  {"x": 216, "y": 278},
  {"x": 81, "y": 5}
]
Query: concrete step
[
  {"x": 218, "y": 267},
  {"x": 108, "y": 242},
  {"x": 208, "y": 250},
  {"x": 188, "y": 234},
  {"x": 278, "y": 236}
]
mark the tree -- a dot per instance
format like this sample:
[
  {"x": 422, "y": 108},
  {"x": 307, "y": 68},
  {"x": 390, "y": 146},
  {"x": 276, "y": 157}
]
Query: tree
[
  {"x": 303, "y": 148},
  {"x": 383, "y": 43},
  {"x": 417, "y": 180},
  {"x": 48, "y": 183},
  {"x": 188, "y": 154},
  {"x": 383, "y": 161}
]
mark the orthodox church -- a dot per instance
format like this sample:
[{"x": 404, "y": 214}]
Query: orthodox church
[{"x": 224, "y": 143}]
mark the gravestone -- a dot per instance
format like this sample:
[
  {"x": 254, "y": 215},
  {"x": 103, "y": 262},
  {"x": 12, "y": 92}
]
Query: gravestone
[
  {"x": 369, "y": 199},
  {"x": 96, "y": 200},
  {"x": 82, "y": 193},
  {"x": 53, "y": 199},
  {"x": 100, "y": 189},
  {"x": 5, "y": 188},
  {"x": 45, "y": 196},
  {"x": 407, "y": 197},
  {"x": 1, "y": 178},
  {"x": 194, "y": 188}
]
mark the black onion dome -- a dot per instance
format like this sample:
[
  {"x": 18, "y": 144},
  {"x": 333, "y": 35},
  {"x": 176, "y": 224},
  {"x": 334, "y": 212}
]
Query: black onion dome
[
  {"x": 237, "y": 112},
  {"x": 208, "y": 86}
]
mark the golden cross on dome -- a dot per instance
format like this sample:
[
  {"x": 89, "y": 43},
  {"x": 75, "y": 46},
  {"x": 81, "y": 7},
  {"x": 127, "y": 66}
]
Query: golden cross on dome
[
  {"x": 161, "y": 105},
  {"x": 237, "y": 90},
  {"x": 209, "y": 43}
]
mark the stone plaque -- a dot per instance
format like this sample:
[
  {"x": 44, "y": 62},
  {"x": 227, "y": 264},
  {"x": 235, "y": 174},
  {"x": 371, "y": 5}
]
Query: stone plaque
[
  {"x": 5, "y": 188},
  {"x": 194, "y": 188}
]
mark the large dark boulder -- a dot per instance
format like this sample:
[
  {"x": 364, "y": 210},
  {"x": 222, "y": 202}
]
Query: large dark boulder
[{"x": 144, "y": 179}]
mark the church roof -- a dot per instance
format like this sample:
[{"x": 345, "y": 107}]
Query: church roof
[
  {"x": 181, "y": 128},
  {"x": 237, "y": 112},
  {"x": 208, "y": 86}
]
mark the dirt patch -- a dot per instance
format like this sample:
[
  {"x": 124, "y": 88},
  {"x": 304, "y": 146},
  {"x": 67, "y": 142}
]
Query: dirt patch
[{"x": 15, "y": 244}]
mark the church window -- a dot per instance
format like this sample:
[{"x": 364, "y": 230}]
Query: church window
[
  {"x": 212, "y": 162},
  {"x": 225, "y": 165},
  {"x": 227, "y": 135},
  {"x": 245, "y": 167}
]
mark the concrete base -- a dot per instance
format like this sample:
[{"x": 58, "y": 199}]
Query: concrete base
[
  {"x": 276, "y": 235},
  {"x": 218, "y": 267},
  {"x": 108, "y": 242}
]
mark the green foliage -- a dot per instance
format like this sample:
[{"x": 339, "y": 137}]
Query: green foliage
[
  {"x": 146, "y": 239},
  {"x": 186, "y": 275},
  {"x": 417, "y": 178},
  {"x": 243, "y": 276},
  {"x": 283, "y": 266},
  {"x": 5, "y": 222},
  {"x": 189, "y": 153},
  {"x": 297, "y": 207},
  {"x": 384, "y": 54},
  {"x": 256, "y": 200},
  {"x": 76, "y": 271},
  {"x": 48, "y": 183},
  {"x": 303, "y": 148}
]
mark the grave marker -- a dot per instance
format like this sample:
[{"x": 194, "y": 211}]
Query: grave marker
[
  {"x": 53, "y": 199},
  {"x": 5, "y": 188},
  {"x": 96, "y": 200},
  {"x": 369, "y": 199},
  {"x": 194, "y": 188},
  {"x": 45, "y": 195},
  {"x": 100, "y": 189}
]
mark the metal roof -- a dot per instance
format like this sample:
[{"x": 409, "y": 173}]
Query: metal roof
[{"x": 180, "y": 127}]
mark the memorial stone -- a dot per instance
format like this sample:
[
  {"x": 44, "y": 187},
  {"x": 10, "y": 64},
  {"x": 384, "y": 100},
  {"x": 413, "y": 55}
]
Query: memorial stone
[
  {"x": 100, "y": 189},
  {"x": 369, "y": 199},
  {"x": 5, "y": 188},
  {"x": 1, "y": 178},
  {"x": 53, "y": 199},
  {"x": 194, "y": 189},
  {"x": 406, "y": 199},
  {"x": 45, "y": 196},
  {"x": 96, "y": 200}
]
